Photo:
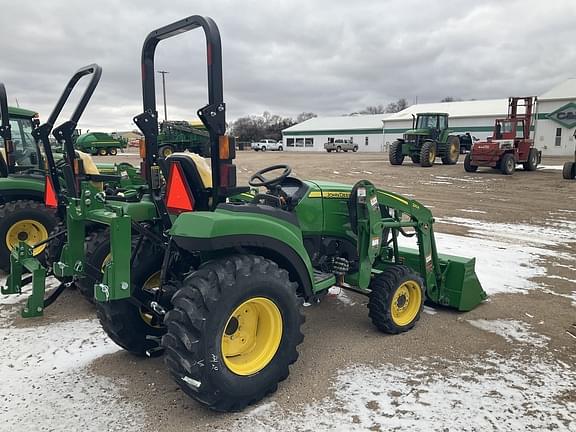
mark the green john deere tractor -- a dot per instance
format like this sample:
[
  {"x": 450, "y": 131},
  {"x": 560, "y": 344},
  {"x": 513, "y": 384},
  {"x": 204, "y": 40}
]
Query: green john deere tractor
[
  {"x": 25, "y": 155},
  {"x": 428, "y": 139},
  {"x": 213, "y": 276}
]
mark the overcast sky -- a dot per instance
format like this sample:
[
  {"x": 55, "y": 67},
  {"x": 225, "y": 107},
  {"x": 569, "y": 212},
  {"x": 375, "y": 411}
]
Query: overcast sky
[{"x": 326, "y": 56}]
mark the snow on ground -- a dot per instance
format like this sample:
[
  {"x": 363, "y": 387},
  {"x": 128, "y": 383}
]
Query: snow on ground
[
  {"x": 551, "y": 167},
  {"x": 512, "y": 330},
  {"x": 488, "y": 393},
  {"x": 45, "y": 382},
  {"x": 472, "y": 211}
]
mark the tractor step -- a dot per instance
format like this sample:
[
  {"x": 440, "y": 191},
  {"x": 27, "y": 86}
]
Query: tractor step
[{"x": 323, "y": 280}]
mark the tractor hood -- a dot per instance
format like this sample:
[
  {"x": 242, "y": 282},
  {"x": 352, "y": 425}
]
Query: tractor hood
[
  {"x": 422, "y": 131},
  {"x": 327, "y": 189}
]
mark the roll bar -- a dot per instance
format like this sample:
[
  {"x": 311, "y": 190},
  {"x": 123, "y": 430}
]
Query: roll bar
[
  {"x": 5, "y": 131},
  {"x": 65, "y": 131},
  {"x": 212, "y": 115}
]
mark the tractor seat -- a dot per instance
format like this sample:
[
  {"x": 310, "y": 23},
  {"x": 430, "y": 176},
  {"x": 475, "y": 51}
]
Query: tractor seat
[
  {"x": 90, "y": 168},
  {"x": 198, "y": 175}
]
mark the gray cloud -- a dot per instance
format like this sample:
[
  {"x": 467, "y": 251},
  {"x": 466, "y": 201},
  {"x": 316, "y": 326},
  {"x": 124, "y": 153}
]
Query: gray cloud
[{"x": 330, "y": 57}]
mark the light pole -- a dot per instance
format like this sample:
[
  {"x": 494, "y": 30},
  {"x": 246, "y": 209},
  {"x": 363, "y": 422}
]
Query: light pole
[{"x": 163, "y": 73}]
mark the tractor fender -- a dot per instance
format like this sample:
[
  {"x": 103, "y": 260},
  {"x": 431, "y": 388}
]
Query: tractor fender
[
  {"x": 12, "y": 188},
  {"x": 277, "y": 239}
]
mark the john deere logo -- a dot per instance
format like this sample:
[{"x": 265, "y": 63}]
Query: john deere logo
[{"x": 565, "y": 115}]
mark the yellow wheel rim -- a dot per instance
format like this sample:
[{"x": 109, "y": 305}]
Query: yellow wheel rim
[
  {"x": 251, "y": 336},
  {"x": 406, "y": 303},
  {"x": 432, "y": 155},
  {"x": 454, "y": 150},
  {"x": 28, "y": 230}
]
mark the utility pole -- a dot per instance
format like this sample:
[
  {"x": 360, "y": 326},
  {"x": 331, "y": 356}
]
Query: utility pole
[{"x": 163, "y": 73}]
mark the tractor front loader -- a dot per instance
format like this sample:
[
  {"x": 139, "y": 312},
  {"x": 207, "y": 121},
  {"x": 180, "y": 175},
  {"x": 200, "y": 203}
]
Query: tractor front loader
[{"x": 216, "y": 284}]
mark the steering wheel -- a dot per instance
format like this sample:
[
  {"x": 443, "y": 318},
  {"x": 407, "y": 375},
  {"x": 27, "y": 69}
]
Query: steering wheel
[{"x": 258, "y": 178}]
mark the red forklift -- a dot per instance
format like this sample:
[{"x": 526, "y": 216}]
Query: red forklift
[{"x": 510, "y": 143}]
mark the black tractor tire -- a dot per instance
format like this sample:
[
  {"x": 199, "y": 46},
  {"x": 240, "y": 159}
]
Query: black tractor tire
[
  {"x": 355, "y": 149},
  {"x": 451, "y": 151},
  {"x": 13, "y": 212},
  {"x": 508, "y": 164},
  {"x": 395, "y": 155},
  {"x": 415, "y": 158},
  {"x": 54, "y": 248},
  {"x": 102, "y": 152},
  {"x": 428, "y": 154},
  {"x": 400, "y": 316},
  {"x": 468, "y": 167},
  {"x": 126, "y": 323},
  {"x": 569, "y": 170},
  {"x": 203, "y": 320},
  {"x": 166, "y": 150},
  {"x": 97, "y": 250},
  {"x": 338, "y": 149},
  {"x": 113, "y": 151},
  {"x": 532, "y": 163}
]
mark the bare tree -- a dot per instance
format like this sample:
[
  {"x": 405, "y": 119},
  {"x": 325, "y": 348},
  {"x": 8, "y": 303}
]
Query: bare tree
[
  {"x": 254, "y": 128},
  {"x": 303, "y": 116},
  {"x": 372, "y": 109},
  {"x": 399, "y": 105}
]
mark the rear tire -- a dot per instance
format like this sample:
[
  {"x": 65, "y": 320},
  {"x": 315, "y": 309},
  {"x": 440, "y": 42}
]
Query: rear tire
[
  {"x": 396, "y": 299},
  {"x": 129, "y": 326},
  {"x": 54, "y": 249},
  {"x": 27, "y": 220},
  {"x": 280, "y": 148},
  {"x": 209, "y": 310},
  {"x": 113, "y": 151},
  {"x": 428, "y": 154},
  {"x": 97, "y": 251},
  {"x": 452, "y": 151},
  {"x": 355, "y": 149},
  {"x": 102, "y": 152},
  {"x": 263, "y": 148},
  {"x": 532, "y": 163},
  {"x": 569, "y": 170},
  {"x": 395, "y": 155},
  {"x": 508, "y": 164},
  {"x": 338, "y": 149},
  {"x": 468, "y": 167},
  {"x": 415, "y": 158}
]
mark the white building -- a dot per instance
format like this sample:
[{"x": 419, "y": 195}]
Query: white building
[
  {"x": 363, "y": 130},
  {"x": 553, "y": 129},
  {"x": 556, "y": 120}
]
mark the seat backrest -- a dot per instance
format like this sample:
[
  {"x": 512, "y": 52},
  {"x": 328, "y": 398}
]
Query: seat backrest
[{"x": 198, "y": 175}]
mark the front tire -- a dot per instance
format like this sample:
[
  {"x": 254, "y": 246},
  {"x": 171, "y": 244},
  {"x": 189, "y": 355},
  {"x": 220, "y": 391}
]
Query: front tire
[
  {"x": 102, "y": 152},
  {"x": 569, "y": 170},
  {"x": 508, "y": 164},
  {"x": 395, "y": 155},
  {"x": 26, "y": 220},
  {"x": 233, "y": 331},
  {"x": 280, "y": 148},
  {"x": 263, "y": 148},
  {"x": 338, "y": 149},
  {"x": 396, "y": 299},
  {"x": 468, "y": 166},
  {"x": 355, "y": 149},
  {"x": 428, "y": 154},
  {"x": 532, "y": 163},
  {"x": 113, "y": 151}
]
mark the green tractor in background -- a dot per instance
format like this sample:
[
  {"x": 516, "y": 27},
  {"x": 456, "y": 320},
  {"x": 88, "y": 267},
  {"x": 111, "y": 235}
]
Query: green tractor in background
[
  {"x": 180, "y": 136},
  {"x": 25, "y": 157},
  {"x": 428, "y": 139},
  {"x": 214, "y": 276},
  {"x": 99, "y": 143}
]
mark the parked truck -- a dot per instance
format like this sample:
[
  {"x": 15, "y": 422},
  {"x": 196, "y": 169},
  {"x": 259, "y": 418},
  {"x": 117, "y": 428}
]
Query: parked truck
[{"x": 266, "y": 144}]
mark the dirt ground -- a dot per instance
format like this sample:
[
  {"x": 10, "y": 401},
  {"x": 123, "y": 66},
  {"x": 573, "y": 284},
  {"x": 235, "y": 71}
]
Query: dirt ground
[{"x": 510, "y": 364}]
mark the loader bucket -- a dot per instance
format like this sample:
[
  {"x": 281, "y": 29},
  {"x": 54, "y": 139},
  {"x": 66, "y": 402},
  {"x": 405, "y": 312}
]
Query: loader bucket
[{"x": 460, "y": 288}]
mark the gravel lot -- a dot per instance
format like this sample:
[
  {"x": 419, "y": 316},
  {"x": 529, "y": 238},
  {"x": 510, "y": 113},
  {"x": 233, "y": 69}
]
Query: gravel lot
[{"x": 509, "y": 365}]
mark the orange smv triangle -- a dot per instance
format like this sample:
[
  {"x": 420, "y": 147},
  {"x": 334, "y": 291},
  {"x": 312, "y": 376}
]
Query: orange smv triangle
[
  {"x": 50, "y": 198},
  {"x": 178, "y": 196}
]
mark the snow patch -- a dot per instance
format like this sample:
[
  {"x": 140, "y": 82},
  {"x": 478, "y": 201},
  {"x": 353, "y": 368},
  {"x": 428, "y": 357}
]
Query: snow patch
[
  {"x": 512, "y": 331},
  {"x": 487, "y": 393},
  {"x": 472, "y": 211},
  {"x": 45, "y": 380}
]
